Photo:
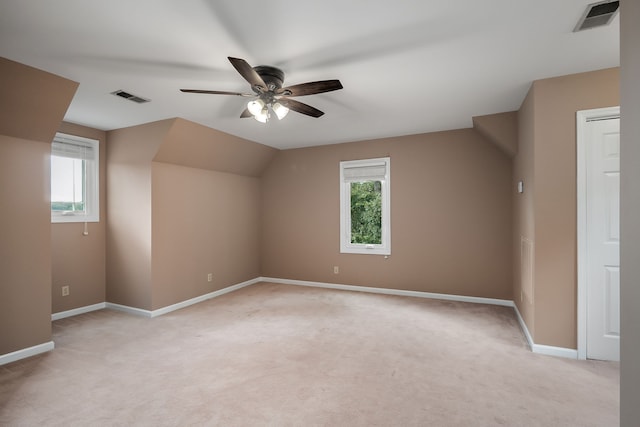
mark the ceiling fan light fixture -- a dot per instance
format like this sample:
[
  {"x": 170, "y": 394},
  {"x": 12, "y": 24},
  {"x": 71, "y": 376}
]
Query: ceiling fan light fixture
[
  {"x": 280, "y": 110},
  {"x": 255, "y": 107}
]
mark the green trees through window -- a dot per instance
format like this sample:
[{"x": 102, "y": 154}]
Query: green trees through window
[
  {"x": 67, "y": 206},
  {"x": 366, "y": 212}
]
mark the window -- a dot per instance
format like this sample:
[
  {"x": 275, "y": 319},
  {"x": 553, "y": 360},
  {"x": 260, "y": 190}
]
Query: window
[
  {"x": 74, "y": 179},
  {"x": 365, "y": 224}
]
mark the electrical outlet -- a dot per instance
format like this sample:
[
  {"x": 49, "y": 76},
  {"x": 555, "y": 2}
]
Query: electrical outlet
[
  {"x": 210, "y": 277},
  {"x": 65, "y": 291},
  {"x": 336, "y": 269}
]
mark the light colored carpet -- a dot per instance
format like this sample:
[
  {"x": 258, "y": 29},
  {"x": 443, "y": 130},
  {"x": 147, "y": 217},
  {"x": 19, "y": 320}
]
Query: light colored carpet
[{"x": 277, "y": 355}]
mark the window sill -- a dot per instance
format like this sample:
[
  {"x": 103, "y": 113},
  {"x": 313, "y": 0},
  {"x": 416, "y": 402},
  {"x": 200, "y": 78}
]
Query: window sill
[
  {"x": 62, "y": 219},
  {"x": 365, "y": 251}
]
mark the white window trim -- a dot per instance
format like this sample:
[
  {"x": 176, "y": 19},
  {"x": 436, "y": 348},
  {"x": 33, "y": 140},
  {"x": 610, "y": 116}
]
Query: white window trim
[
  {"x": 92, "y": 171},
  {"x": 345, "y": 208}
]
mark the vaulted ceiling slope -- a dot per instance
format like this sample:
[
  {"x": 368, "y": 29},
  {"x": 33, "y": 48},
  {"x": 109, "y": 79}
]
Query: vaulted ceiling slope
[
  {"x": 407, "y": 66},
  {"x": 25, "y": 115}
]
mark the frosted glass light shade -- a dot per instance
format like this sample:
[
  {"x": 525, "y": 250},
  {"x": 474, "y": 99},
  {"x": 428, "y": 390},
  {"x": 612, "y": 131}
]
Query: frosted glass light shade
[
  {"x": 255, "y": 107},
  {"x": 280, "y": 110},
  {"x": 263, "y": 115}
]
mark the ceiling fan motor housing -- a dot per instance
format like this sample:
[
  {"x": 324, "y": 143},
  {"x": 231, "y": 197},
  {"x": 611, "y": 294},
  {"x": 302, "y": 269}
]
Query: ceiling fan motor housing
[{"x": 272, "y": 76}]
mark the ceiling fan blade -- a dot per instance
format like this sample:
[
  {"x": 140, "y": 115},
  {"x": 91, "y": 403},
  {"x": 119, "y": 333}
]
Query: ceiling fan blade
[
  {"x": 216, "y": 92},
  {"x": 311, "y": 88},
  {"x": 248, "y": 73},
  {"x": 246, "y": 113},
  {"x": 299, "y": 107}
]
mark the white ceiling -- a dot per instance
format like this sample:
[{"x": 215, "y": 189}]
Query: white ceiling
[{"x": 407, "y": 66}]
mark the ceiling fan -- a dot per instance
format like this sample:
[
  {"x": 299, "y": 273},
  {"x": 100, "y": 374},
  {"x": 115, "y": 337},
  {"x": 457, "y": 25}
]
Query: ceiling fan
[{"x": 266, "y": 83}]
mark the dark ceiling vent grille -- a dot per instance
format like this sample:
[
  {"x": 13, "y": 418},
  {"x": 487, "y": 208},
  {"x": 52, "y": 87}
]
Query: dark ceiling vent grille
[
  {"x": 597, "y": 15},
  {"x": 130, "y": 97}
]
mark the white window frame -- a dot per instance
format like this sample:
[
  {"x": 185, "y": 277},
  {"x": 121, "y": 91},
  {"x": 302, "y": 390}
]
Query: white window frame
[
  {"x": 92, "y": 180},
  {"x": 345, "y": 205}
]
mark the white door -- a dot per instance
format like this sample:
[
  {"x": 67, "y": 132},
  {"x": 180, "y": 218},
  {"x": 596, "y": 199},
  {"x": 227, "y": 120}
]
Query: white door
[{"x": 603, "y": 238}]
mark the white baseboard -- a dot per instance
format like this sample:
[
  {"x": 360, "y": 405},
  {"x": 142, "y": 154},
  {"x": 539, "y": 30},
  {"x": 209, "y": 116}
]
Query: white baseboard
[
  {"x": 567, "y": 353},
  {"x": 182, "y": 304},
  {"x": 127, "y": 309},
  {"x": 524, "y": 328},
  {"x": 387, "y": 291},
  {"x": 201, "y": 298},
  {"x": 77, "y": 311},
  {"x": 548, "y": 350},
  {"x": 26, "y": 352}
]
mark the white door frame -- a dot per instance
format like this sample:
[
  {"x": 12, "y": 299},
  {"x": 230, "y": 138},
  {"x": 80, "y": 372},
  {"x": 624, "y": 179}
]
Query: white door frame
[{"x": 582, "y": 118}]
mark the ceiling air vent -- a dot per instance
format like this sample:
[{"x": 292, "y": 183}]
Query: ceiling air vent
[
  {"x": 130, "y": 97},
  {"x": 597, "y": 15}
]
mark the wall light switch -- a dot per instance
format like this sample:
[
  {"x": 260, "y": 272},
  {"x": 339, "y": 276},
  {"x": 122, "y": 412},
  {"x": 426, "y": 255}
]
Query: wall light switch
[{"x": 520, "y": 186}]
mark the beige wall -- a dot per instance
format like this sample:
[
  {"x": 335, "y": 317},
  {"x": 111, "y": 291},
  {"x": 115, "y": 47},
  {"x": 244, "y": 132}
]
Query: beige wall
[
  {"x": 501, "y": 129},
  {"x": 203, "y": 222},
  {"x": 28, "y": 122},
  {"x": 129, "y": 157},
  {"x": 523, "y": 210},
  {"x": 175, "y": 214},
  {"x": 630, "y": 212},
  {"x": 25, "y": 255},
  {"x": 193, "y": 145},
  {"x": 450, "y": 216},
  {"x": 79, "y": 261},
  {"x": 548, "y": 123}
]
